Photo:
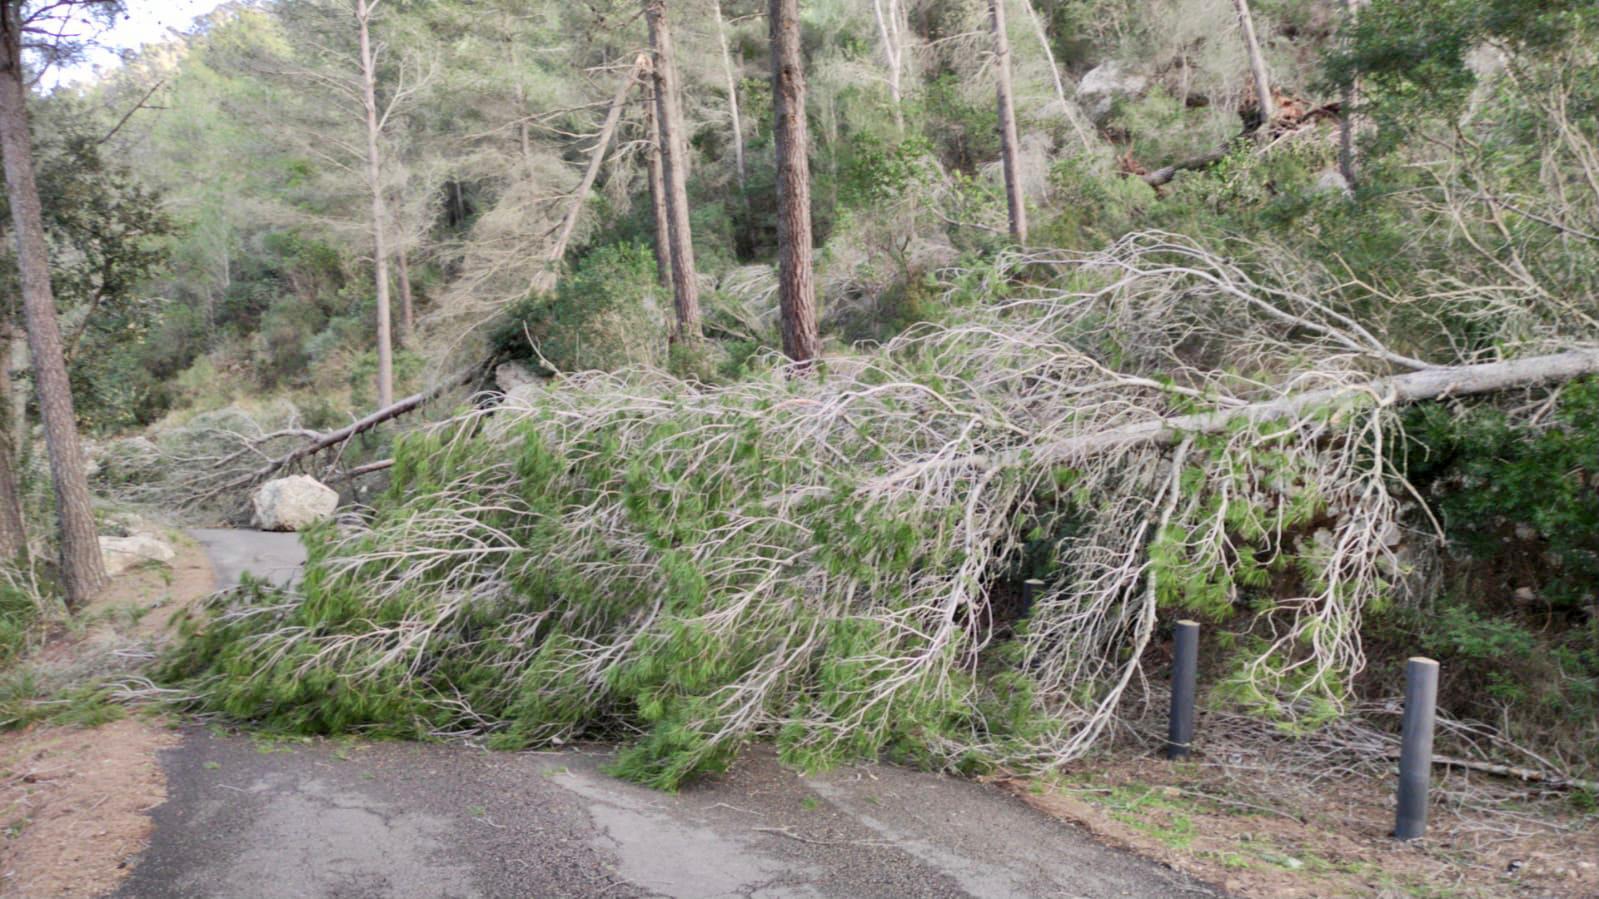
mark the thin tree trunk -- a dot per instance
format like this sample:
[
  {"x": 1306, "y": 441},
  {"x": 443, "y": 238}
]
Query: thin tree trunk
[
  {"x": 796, "y": 288},
  {"x": 407, "y": 306},
  {"x": 657, "y": 179},
  {"x": 888, "y": 27},
  {"x": 732, "y": 100},
  {"x": 374, "y": 176},
  {"x": 1347, "y": 150},
  {"x": 1007, "y": 123},
  {"x": 546, "y": 278},
  {"x": 1068, "y": 107},
  {"x": 82, "y": 568},
  {"x": 1257, "y": 64},
  {"x": 13, "y": 534},
  {"x": 674, "y": 167}
]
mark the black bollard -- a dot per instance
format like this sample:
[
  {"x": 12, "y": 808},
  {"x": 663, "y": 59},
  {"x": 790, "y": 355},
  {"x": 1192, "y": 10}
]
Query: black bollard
[
  {"x": 1415, "y": 752},
  {"x": 1184, "y": 674}
]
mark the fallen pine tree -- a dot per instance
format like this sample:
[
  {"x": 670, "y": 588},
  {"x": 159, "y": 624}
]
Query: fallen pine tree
[{"x": 819, "y": 559}]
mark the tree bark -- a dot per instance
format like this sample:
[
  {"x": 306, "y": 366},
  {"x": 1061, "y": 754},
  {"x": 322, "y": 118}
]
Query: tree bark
[
  {"x": 546, "y": 278},
  {"x": 674, "y": 169},
  {"x": 732, "y": 100},
  {"x": 1257, "y": 64},
  {"x": 796, "y": 287},
  {"x": 402, "y": 273},
  {"x": 657, "y": 179},
  {"x": 13, "y": 533},
  {"x": 1007, "y": 123},
  {"x": 1347, "y": 150},
  {"x": 82, "y": 568},
  {"x": 374, "y": 177}
]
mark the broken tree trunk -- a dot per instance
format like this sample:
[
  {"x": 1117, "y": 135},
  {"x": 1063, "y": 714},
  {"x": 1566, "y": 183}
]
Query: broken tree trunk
[{"x": 546, "y": 278}]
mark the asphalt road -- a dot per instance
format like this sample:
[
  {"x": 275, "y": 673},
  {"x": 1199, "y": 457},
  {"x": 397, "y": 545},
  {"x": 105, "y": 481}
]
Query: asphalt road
[{"x": 248, "y": 816}]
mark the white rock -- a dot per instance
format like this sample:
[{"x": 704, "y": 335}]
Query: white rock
[
  {"x": 122, "y": 553},
  {"x": 293, "y": 503},
  {"x": 1332, "y": 181},
  {"x": 511, "y": 375},
  {"x": 1104, "y": 84}
]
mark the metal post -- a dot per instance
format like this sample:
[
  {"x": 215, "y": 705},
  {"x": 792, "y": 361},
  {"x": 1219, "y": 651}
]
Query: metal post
[
  {"x": 1031, "y": 589},
  {"x": 1184, "y": 674},
  {"x": 1415, "y": 754}
]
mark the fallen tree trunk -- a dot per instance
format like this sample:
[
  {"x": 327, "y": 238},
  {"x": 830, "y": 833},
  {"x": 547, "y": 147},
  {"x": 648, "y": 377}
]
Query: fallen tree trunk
[
  {"x": 1429, "y": 384},
  {"x": 1437, "y": 383},
  {"x": 1552, "y": 780},
  {"x": 316, "y": 443},
  {"x": 546, "y": 279}
]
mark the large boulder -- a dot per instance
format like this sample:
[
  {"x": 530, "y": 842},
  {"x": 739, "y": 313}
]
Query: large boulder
[
  {"x": 122, "y": 553},
  {"x": 509, "y": 376},
  {"x": 1106, "y": 83},
  {"x": 293, "y": 503}
]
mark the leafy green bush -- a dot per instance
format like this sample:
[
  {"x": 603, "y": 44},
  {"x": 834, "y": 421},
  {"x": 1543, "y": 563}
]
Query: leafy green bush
[
  {"x": 608, "y": 313},
  {"x": 1526, "y": 503}
]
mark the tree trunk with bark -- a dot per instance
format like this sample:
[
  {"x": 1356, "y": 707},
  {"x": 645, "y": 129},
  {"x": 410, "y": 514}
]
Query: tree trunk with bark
[
  {"x": 657, "y": 181},
  {"x": 796, "y": 287},
  {"x": 1007, "y": 124},
  {"x": 674, "y": 171},
  {"x": 13, "y": 533},
  {"x": 82, "y": 568},
  {"x": 1347, "y": 150},
  {"x": 374, "y": 177},
  {"x": 402, "y": 274},
  {"x": 1257, "y": 64}
]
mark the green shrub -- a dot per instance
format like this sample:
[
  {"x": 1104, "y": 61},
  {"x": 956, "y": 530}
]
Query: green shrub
[{"x": 608, "y": 313}]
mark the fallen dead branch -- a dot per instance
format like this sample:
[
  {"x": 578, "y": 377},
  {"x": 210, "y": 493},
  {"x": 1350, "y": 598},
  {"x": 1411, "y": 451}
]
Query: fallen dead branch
[{"x": 215, "y": 460}]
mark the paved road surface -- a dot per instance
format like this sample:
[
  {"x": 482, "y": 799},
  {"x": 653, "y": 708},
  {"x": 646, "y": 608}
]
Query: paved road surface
[{"x": 251, "y": 817}]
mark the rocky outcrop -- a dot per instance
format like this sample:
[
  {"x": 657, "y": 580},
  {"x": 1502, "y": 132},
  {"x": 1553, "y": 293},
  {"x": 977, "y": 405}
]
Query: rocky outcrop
[
  {"x": 293, "y": 503},
  {"x": 509, "y": 376},
  {"x": 1106, "y": 83},
  {"x": 123, "y": 553}
]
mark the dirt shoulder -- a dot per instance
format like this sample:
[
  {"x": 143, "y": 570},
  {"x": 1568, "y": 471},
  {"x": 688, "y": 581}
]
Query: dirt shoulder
[
  {"x": 75, "y": 798},
  {"x": 1263, "y": 833}
]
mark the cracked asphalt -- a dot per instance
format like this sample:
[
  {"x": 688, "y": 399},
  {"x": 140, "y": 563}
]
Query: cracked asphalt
[{"x": 249, "y": 816}]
